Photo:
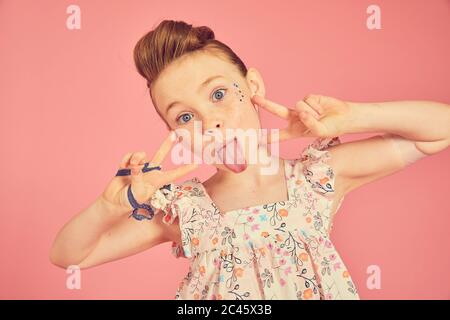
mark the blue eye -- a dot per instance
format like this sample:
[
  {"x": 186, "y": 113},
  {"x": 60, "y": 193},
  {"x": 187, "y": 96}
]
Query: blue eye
[
  {"x": 218, "y": 94},
  {"x": 185, "y": 117}
]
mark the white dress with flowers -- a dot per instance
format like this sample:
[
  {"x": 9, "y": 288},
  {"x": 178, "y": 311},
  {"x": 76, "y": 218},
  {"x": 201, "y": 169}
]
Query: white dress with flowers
[{"x": 279, "y": 250}]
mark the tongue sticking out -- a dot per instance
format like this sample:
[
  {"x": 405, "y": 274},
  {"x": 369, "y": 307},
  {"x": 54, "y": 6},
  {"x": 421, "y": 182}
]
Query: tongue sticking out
[{"x": 234, "y": 159}]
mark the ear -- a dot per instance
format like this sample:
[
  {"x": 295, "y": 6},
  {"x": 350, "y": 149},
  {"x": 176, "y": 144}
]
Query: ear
[{"x": 255, "y": 82}]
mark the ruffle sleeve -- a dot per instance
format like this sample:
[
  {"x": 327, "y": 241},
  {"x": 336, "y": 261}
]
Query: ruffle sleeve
[
  {"x": 164, "y": 201},
  {"x": 316, "y": 168},
  {"x": 319, "y": 174}
]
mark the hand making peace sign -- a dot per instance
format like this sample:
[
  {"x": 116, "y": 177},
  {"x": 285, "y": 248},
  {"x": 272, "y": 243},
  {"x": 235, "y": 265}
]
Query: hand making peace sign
[
  {"x": 314, "y": 116},
  {"x": 144, "y": 181}
]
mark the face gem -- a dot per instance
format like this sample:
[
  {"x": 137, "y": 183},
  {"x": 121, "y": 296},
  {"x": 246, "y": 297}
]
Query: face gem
[{"x": 240, "y": 92}]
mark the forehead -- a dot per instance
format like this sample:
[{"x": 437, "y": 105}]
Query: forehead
[{"x": 182, "y": 78}]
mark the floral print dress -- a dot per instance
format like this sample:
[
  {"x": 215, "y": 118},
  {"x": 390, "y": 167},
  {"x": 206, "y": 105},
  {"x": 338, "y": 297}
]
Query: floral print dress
[{"x": 278, "y": 250}]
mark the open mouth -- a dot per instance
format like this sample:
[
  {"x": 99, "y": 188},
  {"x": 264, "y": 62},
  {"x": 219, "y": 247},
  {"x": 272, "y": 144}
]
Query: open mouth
[{"x": 232, "y": 156}]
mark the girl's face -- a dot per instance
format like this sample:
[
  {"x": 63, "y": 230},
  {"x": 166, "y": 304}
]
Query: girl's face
[{"x": 202, "y": 89}]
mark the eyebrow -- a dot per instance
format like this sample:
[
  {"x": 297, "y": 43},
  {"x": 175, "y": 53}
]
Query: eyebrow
[{"x": 204, "y": 84}]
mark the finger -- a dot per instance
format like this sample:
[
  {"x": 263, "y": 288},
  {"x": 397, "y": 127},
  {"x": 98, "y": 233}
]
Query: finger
[
  {"x": 144, "y": 160},
  {"x": 303, "y": 106},
  {"x": 275, "y": 108},
  {"x": 314, "y": 101},
  {"x": 137, "y": 158},
  {"x": 138, "y": 185},
  {"x": 174, "y": 174},
  {"x": 313, "y": 126},
  {"x": 164, "y": 148},
  {"x": 125, "y": 160}
]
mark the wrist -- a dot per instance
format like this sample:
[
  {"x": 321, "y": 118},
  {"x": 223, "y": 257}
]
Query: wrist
[
  {"x": 111, "y": 208},
  {"x": 360, "y": 117}
]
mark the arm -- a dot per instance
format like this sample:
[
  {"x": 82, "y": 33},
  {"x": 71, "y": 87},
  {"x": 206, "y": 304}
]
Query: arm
[
  {"x": 102, "y": 233},
  {"x": 414, "y": 129}
]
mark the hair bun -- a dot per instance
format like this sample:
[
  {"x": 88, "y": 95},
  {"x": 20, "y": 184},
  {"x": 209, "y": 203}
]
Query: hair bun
[
  {"x": 204, "y": 33},
  {"x": 172, "y": 39}
]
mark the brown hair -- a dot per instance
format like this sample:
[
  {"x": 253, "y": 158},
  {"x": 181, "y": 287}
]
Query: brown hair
[{"x": 172, "y": 39}]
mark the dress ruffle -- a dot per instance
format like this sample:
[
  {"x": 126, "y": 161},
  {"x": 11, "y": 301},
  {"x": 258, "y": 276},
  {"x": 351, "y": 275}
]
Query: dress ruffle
[
  {"x": 319, "y": 174},
  {"x": 164, "y": 201},
  {"x": 316, "y": 168}
]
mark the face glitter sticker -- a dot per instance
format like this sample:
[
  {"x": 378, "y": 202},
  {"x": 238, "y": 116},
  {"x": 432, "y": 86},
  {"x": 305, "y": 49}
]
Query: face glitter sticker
[{"x": 239, "y": 93}]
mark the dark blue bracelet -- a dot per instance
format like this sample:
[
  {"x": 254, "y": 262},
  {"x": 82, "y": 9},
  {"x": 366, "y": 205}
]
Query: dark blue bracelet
[
  {"x": 136, "y": 206},
  {"x": 146, "y": 168},
  {"x": 135, "y": 214}
]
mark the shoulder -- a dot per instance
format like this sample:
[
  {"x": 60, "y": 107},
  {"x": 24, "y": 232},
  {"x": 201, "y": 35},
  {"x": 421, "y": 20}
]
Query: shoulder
[{"x": 315, "y": 165}]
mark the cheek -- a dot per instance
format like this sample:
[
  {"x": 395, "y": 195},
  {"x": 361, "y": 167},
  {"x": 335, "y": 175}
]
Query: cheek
[
  {"x": 236, "y": 108},
  {"x": 243, "y": 115}
]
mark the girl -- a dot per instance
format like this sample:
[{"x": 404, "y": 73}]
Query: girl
[{"x": 247, "y": 235}]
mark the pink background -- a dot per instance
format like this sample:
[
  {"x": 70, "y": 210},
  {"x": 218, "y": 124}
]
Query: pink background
[{"x": 72, "y": 105}]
